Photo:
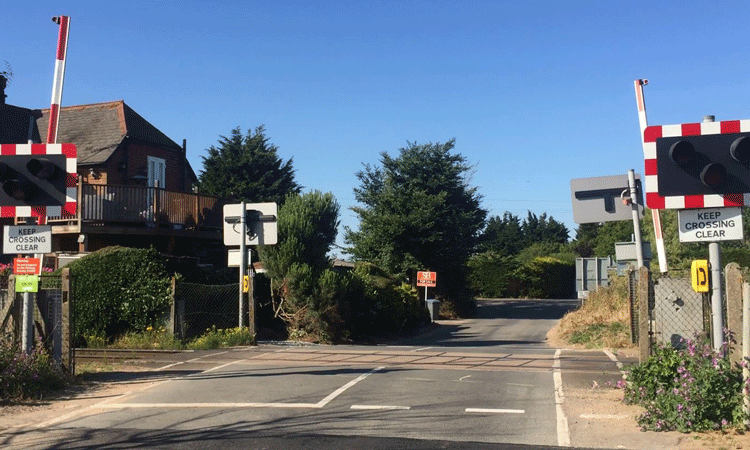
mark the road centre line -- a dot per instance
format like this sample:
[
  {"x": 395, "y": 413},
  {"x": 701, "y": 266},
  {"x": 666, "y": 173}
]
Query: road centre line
[
  {"x": 379, "y": 407},
  {"x": 495, "y": 411}
]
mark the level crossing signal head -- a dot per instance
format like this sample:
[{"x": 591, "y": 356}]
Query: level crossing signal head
[
  {"x": 703, "y": 164},
  {"x": 33, "y": 180}
]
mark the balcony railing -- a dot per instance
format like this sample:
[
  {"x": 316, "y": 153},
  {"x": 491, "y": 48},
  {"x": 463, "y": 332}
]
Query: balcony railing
[{"x": 146, "y": 206}]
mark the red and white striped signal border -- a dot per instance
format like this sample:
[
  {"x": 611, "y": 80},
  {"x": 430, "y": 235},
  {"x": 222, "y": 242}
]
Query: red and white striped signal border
[
  {"x": 71, "y": 180},
  {"x": 651, "y": 182}
]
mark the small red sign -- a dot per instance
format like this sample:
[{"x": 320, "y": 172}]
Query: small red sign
[
  {"x": 427, "y": 279},
  {"x": 27, "y": 266}
]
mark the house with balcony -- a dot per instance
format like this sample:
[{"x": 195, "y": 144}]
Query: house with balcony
[{"x": 136, "y": 187}]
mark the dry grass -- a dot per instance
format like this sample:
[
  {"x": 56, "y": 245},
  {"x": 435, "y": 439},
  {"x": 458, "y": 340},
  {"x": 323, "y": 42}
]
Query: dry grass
[{"x": 602, "y": 321}]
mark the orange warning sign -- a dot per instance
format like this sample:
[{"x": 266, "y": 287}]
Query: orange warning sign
[
  {"x": 27, "y": 266},
  {"x": 427, "y": 279}
]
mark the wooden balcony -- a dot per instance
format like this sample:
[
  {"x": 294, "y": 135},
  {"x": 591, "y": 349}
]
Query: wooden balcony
[{"x": 115, "y": 209}]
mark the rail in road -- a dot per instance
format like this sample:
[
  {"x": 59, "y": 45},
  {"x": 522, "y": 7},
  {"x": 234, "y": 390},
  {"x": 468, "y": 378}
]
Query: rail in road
[{"x": 569, "y": 360}]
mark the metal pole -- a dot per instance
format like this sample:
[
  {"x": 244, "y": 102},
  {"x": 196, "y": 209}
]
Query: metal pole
[
  {"x": 746, "y": 349},
  {"x": 251, "y": 294},
  {"x": 28, "y": 324},
  {"x": 636, "y": 219},
  {"x": 717, "y": 294},
  {"x": 243, "y": 261},
  {"x": 717, "y": 288}
]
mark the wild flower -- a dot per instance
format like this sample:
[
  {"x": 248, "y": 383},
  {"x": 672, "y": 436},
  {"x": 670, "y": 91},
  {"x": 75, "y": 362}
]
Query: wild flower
[
  {"x": 690, "y": 388},
  {"x": 27, "y": 375}
]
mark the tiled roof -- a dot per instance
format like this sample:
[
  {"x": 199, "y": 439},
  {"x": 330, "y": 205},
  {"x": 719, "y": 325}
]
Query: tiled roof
[
  {"x": 97, "y": 129},
  {"x": 14, "y": 125}
]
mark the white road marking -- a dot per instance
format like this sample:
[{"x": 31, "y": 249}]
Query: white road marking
[
  {"x": 343, "y": 388},
  {"x": 495, "y": 411},
  {"x": 379, "y": 407},
  {"x": 188, "y": 361},
  {"x": 318, "y": 405},
  {"x": 463, "y": 378},
  {"x": 613, "y": 358},
  {"x": 563, "y": 434},
  {"x": 420, "y": 349}
]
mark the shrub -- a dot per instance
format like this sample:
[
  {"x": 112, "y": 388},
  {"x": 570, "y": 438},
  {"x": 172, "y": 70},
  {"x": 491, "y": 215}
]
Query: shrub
[
  {"x": 692, "y": 388},
  {"x": 490, "y": 273},
  {"x": 27, "y": 376},
  {"x": 119, "y": 289},
  {"x": 546, "y": 277},
  {"x": 149, "y": 339},
  {"x": 381, "y": 303},
  {"x": 214, "y": 338}
]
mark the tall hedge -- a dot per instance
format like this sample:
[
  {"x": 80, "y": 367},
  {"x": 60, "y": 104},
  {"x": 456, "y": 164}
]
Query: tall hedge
[{"x": 119, "y": 289}]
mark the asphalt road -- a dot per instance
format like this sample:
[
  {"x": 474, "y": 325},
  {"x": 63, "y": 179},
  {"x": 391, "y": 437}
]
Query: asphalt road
[{"x": 488, "y": 382}]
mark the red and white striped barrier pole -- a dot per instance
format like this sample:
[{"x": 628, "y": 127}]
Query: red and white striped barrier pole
[
  {"x": 57, "y": 84},
  {"x": 655, "y": 213},
  {"x": 57, "y": 88}
]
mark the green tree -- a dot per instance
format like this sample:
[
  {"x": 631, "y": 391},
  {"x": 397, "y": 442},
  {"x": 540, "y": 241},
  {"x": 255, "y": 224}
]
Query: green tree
[
  {"x": 542, "y": 229},
  {"x": 419, "y": 212},
  {"x": 305, "y": 287},
  {"x": 503, "y": 236},
  {"x": 247, "y": 168},
  {"x": 586, "y": 239}
]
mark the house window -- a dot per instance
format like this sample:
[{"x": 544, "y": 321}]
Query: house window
[{"x": 157, "y": 172}]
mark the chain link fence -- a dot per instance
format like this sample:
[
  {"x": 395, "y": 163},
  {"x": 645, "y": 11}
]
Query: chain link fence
[
  {"x": 675, "y": 312},
  {"x": 199, "y": 307}
]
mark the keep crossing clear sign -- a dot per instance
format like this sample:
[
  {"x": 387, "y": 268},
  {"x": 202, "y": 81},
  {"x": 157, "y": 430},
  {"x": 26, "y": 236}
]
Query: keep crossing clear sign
[
  {"x": 27, "y": 239},
  {"x": 711, "y": 224}
]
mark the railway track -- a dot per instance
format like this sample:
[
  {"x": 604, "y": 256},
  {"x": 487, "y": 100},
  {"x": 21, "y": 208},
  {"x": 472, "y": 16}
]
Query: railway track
[{"x": 109, "y": 355}]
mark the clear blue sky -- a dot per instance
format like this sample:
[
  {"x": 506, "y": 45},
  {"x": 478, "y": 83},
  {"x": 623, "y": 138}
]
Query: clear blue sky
[{"x": 536, "y": 93}]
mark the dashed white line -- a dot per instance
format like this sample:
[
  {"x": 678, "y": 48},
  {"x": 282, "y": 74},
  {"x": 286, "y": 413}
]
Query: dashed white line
[
  {"x": 380, "y": 407},
  {"x": 495, "y": 411}
]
